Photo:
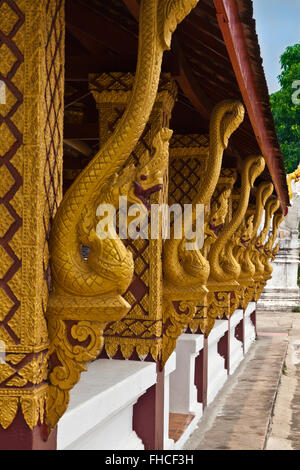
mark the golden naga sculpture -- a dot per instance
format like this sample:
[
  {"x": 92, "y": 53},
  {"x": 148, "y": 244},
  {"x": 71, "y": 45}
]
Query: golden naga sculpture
[
  {"x": 216, "y": 218},
  {"x": 269, "y": 251},
  {"x": 186, "y": 271},
  {"x": 248, "y": 267},
  {"x": 271, "y": 207},
  {"x": 241, "y": 253},
  {"x": 292, "y": 176},
  {"x": 87, "y": 293},
  {"x": 223, "y": 283},
  {"x": 214, "y": 222}
]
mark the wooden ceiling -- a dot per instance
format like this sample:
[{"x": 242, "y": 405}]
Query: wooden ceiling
[{"x": 102, "y": 36}]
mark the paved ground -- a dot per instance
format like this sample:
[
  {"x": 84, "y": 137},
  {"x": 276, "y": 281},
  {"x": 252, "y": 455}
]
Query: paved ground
[{"x": 259, "y": 407}]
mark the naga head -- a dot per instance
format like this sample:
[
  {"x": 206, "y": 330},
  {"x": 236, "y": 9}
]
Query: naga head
[
  {"x": 151, "y": 171},
  {"x": 170, "y": 14},
  {"x": 254, "y": 166},
  {"x": 217, "y": 216},
  {"x": 225, "y": 119},
  {"x": 138, "y": 183},
  {"x": 272, "y": 205},
  {"x": 247, "y": 231}
]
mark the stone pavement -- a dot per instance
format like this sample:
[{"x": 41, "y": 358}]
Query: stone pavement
[{"x": 259, "y": 406}]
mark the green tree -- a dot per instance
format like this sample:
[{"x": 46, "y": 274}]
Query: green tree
[{"x": 286, "y": 107}]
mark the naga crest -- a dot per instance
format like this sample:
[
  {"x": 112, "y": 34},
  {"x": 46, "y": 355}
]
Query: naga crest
[
  {"x": 246, "y": 231},
  {"x": 170, "y": 14},
  {"x": 139, "y": 182}
]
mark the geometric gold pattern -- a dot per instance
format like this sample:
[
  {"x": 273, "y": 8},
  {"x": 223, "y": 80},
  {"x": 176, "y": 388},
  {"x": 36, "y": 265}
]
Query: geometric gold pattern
[{"x": 32, "y": 69}]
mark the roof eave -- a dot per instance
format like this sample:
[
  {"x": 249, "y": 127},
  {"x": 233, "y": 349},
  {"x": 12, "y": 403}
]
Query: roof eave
[{"x": 235, "y": 39}]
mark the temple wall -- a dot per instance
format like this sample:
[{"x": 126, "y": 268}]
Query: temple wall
[{"x": 282, "y": 290}]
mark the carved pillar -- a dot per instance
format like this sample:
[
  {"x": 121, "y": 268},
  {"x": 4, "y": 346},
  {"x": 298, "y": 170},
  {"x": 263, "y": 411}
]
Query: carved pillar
[
  {"x": 139, "y": 334},
  {"x": 31, "y": 124},
  {"x": 188, "y": 165}
]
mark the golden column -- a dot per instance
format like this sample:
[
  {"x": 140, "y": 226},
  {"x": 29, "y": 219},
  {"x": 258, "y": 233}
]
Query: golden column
[
  {"x": 31, "y": 125},
  {"x": 139, "y": 333}
]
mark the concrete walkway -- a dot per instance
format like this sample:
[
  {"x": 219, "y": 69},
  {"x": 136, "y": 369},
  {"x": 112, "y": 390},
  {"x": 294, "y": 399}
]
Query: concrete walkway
[{"x": 259, "y": 407}]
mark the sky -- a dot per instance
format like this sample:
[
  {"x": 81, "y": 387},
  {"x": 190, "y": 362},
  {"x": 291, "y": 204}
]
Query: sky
[{"x": 277, "y": 26}]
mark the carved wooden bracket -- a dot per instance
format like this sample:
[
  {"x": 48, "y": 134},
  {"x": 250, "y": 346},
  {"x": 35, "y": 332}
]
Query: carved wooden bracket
[{"x": 76, "y": 335}]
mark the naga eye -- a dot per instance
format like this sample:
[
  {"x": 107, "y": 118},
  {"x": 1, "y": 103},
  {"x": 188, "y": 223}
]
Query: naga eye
[{"x": 143, "y": 177}]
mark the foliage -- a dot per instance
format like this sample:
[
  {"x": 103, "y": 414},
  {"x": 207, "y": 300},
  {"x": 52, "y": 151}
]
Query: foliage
[{"x": 286, "y": 113}]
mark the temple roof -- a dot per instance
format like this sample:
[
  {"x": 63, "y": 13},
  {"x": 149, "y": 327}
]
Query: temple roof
[{"x": 215, "y": 55}]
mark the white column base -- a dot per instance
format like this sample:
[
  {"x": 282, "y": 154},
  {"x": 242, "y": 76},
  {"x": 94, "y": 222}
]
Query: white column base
[
  {"x": 236, "y": 346},
  {"x": 249, "y": 329},
  {"x": 169, "y": 369},
  {"x": 217, "y": 374},
  {"x": 183, "y": 392},
  {"x": 99, "y": 416}
]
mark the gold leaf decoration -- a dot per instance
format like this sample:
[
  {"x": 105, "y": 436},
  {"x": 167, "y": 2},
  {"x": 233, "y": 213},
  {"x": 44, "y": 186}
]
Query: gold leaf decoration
[{"x": 8, "y": 410}]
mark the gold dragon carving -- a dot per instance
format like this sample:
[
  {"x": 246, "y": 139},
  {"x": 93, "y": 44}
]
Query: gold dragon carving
[
  {"x": 246, "y": 278},
  {"x": 214, "y": 222},
  {"x": 140, "y": 331},
  {"x": 290, "y": 177},
  {"x": 241, "y": 253},
  {"x": 269, "y": 251},
  {"x": 186, "y": 271},
  {"x": 223, "y": 297},
  {"x": 87, "y": 293},
  {"x": 272, "y": 205}
]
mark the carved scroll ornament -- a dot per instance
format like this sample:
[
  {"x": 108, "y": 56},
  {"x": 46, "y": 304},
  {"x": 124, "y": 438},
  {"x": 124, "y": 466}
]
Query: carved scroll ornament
[{"x": 87, "y": 293}]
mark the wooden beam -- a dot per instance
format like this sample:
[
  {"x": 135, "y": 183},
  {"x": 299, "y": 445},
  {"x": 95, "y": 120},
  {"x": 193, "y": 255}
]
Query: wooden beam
[
  {"x": 91, "y": 45},
  {"x": 184, "y": 76},
  {"x": 196, "y": 33},
  {"x": 99, "y": 28},
  {"x": 206, "y": 9},
  {"x": 133, "y": 7},
  {"x": 187, "y": 82},
  {"x": 79, "y": 67},
  {"x": 79, "y": 146},
  {"x": 211, "y": 77},
  {"x": 204, "y": 26},
  {"x": 204, "y": 61},
  {"x": 89, "y": 131},
  {"x": 78, "y": 96}
]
